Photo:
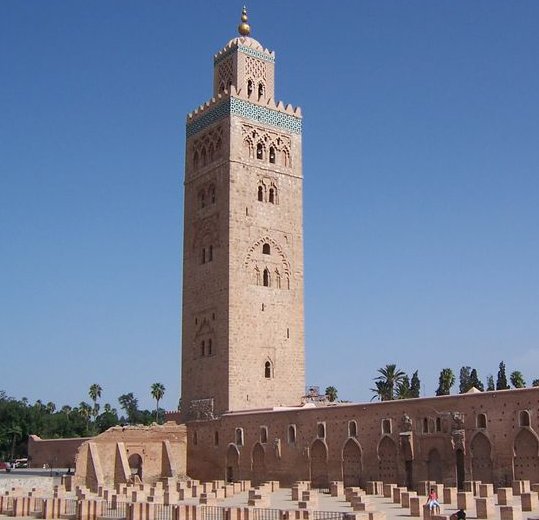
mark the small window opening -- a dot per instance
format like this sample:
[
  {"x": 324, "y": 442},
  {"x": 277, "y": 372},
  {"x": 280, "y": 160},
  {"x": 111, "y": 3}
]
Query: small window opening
[
  {"x": 195, "y": 161},
  {"x": 216, "y": 438},
  {"x": 438, "y": 424},
  {"x": 260, "y": 194},
  {"x": 267, "y": 370},
  {"x": 287, "y": 333},
  {"x": 292, "y": 433},
  {"x": 195, "y": 438},
  {"x": 203, "y": 157},
  {"x": 321, "y": 429},
  {"x": 209, "y": 347},
  {"x": 210, "y": 254},
  {"x": 272, "y": 195},
  {"x": 524, "y": 418},
  {"x": 260, "y": 90},
  {"x": 425, "y": 425},
  {"x": 263, "y": 307},
  {"x": 352, "y": 429},
  {"x": 266, "y": 250},
  {"x": 263, "y": 434},
  {"x": 221, "y": 87},
  {"x": 277, "y": 279},
  {"x": 266, "y": 278},
  {"x": 272, "y": 155},
  {"x": 239, "y": 436},
  {"x": 202, "y": 200},
  {"x": 386, "y": 426},
  {"x": 249, "y": 88},
  {"x": 203, "y": 255},
  {"x": 212, "y": 194},
  {"x": 203, "y": 348},
  {"x": 481, "y": 420},
  {"x": 259, "y": 151}
]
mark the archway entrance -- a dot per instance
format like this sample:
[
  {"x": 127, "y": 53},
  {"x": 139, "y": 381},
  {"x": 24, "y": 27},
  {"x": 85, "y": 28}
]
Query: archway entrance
[
  {"x": 135, "y": 465},
  {"x": 319, "y": 465},
  {"x": 259, "y": 464},
  {"x": 232, "y": 464},
  {"x": 387, "y": 455},
  {"x": 434, "y": 466},
  {"x": 351, "y": 463},
  {"x": 481, "y": 461},
  {"x": 526, "y": 462}
]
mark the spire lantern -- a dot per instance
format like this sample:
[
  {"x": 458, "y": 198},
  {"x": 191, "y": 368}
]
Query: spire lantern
[{"x": 243, "y": 28}]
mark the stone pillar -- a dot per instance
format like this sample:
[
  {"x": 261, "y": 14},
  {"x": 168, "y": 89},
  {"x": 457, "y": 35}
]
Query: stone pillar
[
  {"x": 484, "y": 507},
  {"x": 336, "y": 488},
  {"x": 415, "y": 506},
  {"x": 464, "y": 500},
  {"x": 486, "y": 490},
  {"x": 388, "y": 490},
  {"x": 406, "y": 496},
  {"x": 510, "y": 512},
  {"x": 450, "y": 495},
  {"x": 529, "y": 501},
  {"x": 505, "y": 496}
]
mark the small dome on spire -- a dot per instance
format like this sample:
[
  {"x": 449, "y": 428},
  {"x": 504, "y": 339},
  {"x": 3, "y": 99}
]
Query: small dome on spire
[{"x": 243, "y": 28}]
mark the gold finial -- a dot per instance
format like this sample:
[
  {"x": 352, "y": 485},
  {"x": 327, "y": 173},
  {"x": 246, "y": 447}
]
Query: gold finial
[{"x": 243, "y": 27}]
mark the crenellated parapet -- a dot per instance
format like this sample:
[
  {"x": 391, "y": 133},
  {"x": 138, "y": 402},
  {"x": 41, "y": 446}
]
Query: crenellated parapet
[
  {"x": 236, "y": 102},
  {"x": 248, "y": 46}
]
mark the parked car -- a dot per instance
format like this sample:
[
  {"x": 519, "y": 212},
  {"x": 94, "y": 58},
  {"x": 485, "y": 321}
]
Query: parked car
[
  {"x": 5, "y": 466},
  {"x": 21, "y": 463}
]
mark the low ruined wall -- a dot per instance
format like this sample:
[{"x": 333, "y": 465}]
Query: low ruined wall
[{"x": 54, "y": 453}]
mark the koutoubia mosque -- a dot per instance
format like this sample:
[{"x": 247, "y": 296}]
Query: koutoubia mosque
[{"x": 245, "y": 414}]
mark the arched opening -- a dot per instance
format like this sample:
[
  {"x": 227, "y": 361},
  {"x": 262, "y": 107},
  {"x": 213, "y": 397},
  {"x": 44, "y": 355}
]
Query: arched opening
[
  {"x": 263, "y": 434},
  {"x": 481, "y": 420},
  {"x": 232, "y": 464},
  {"x": 434, "y": 466},
  {"x": 321, "y": 430},
  {"x": 266, "y": 278},
  {"x": 438, "y": 424},
  {"x": 272, "y": 195},
  {"x": 386, "y": 426},
  {"x": 351, "y": 463},
  {"x": 526, "y": 461},
  {"x": 135, "y": 465},
  {"x": 524, "y": 418},
  {"x": 249, "y": 87},
  {"x": 352, "y": 429},
  {"x": 425, "y": 425},
  {"x": 277, "y": 279},
  {"x": 210, "y": 253},
  {"x": 266, "y": 249},
  {"x": 267, "y": 370},
  {"x": 203, "y": 157},
  {"x": 319, "y": 465},
  {"x": 481, "y": 459},
  {"x": 209, "y": 347},
  {"x": 260, "y": 90},
  {"x": 203, "y": 348},
  {"x": 260, "y": 194},
  {"x": 259, "y": 151},
  {"x": 195, "y": 161},
  {"x": 211, "y": 153},
  {"x": 259, "y": 464},
  {"x": 239, "y": 436},
  {"x": 387, "y": 455},
  {"x": 216, "y": 438},
  {"x": 292, "y": 433},
  {"x": 272, "y": 155}
]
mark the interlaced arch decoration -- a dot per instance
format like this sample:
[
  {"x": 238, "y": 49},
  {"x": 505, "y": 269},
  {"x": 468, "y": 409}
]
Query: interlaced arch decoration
[
  {"x": 207, "y": 148},
  {"x": 206, "y": 233},
  {"x": 276, "y": 263},
  {"x": 281, "y": 144}
]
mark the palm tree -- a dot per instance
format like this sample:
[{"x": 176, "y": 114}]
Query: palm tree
[
  {"x": 14, "y": 431},
  {"x": 158, "y": 391},
  {"x": 388, "y": 380},
  {"x": 517, "y": 379},
  {"x": 331, "y": 393},
  {"x": 50, "y": 407},
  {"x": 95, "y": 394}
]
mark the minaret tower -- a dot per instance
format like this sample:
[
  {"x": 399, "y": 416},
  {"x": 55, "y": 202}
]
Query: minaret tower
[{"x": 242, "y": 337}]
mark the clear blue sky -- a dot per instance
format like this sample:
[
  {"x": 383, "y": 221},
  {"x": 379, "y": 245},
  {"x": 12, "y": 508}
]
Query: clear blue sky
[{"x": 421, "y": 200}]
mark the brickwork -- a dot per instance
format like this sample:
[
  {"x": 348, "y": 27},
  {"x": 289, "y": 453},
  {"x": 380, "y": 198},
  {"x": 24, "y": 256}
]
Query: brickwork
[{"x": 54, "y": 453}]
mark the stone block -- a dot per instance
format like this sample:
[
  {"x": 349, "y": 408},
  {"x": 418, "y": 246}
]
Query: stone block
[
  {"x": 397, "y": 491},
  {"x": 464, "y": 500},
  {"x": 529, "y": 501},
  {"x": 450, "y": 495},
  {"x": 336, "y": 488},
  {"x": 521, "y": 486},
  {"x": 405, "y": 498},
  {"x": 484, "y": 507},
  {"x": 510, "y": 512},
  {"x": 486, "y": 490},
  {"x": 505, "y": 496},
  {"x": 472, "y": 486},
  {"x": 416, "y": 506},
  {"x": 377, "y": 515},
  {"x": 388, "y": 490}
]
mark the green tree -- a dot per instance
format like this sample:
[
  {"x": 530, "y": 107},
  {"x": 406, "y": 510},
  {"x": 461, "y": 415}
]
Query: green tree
[
  {"x": 501, "y": 381},
  {"x": 331, "y": 393},
  {"x": 517, "y": 379},
  {"x": 95, "y": 393},
  {"x": 129, "y": 403},
  {"x": 490, "y": 383},
  {"x": 464, "y": 379},
  {"x": 415, "y": 385},
  {"x": 446, "y": 381},
  {"x": 157, "y": 391},
  {"x": 386, "y": 383},
  {"x": 475, "y": 382},
  {"x": 403, "y": 388}
]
